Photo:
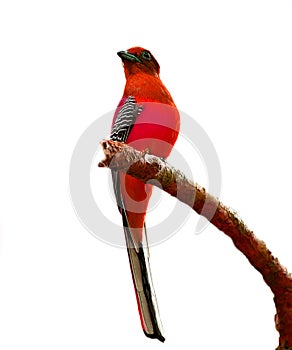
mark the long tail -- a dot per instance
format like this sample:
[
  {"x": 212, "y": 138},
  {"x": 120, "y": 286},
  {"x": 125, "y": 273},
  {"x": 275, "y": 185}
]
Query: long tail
[{"x": 142, "y": 279}]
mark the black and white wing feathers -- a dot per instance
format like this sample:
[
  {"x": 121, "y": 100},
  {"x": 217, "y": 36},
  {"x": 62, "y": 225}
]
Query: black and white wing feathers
[{"x": 125, "y": 120}]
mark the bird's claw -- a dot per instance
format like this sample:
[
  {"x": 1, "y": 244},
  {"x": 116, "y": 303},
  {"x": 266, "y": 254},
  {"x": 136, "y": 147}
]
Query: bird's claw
[{"x": 145, "y": 151}]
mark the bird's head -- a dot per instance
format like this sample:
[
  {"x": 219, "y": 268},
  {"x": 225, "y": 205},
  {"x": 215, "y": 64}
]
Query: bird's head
[{"x": 139, "y": 60}]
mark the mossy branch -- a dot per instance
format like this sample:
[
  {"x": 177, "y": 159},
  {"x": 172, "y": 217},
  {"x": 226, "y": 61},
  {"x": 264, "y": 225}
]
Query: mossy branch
[{"x": 148, "y": 168}]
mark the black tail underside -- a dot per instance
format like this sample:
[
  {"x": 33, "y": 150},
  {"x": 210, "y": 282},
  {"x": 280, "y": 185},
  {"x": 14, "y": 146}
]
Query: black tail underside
[{"x": 142, "y": 279}]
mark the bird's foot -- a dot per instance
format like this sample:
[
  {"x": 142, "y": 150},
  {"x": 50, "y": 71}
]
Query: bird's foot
[{"x": 145, "y": 151}]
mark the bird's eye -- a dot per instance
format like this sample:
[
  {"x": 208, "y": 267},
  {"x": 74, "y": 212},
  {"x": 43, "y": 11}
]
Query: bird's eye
[{"x": 146, "y": 55}]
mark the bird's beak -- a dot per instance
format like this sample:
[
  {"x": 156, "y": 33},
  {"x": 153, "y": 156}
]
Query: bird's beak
[{"x": 124, "y": 55}]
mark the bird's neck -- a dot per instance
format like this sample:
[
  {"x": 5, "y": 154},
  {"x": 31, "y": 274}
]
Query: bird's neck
[{"x": 147, "y": 88}]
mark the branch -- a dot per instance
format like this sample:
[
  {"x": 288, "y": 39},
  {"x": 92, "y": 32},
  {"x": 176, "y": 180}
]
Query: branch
[{"x": 151, "y": 169}]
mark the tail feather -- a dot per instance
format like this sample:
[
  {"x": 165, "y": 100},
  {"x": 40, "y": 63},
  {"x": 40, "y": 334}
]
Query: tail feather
[
  {"x": 145, "y": 294},
  {"x": 138, "y": 253}
]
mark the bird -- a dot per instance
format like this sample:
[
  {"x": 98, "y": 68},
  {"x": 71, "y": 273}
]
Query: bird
[{"x": 147, "y": 119}]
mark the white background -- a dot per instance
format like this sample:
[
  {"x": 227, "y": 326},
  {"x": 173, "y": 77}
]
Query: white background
[{"x": 227, "y": 64}]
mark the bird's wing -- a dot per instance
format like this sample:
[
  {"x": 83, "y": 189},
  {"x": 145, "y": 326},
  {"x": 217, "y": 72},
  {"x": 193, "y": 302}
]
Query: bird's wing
[
  {"x": 138, "y": 255},
  {"x": 125, "y": 120},
  {"x": 121, "y": 128}
]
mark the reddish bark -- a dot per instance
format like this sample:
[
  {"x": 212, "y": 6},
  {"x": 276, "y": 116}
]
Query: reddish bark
[{"x": 147, "y": 168}]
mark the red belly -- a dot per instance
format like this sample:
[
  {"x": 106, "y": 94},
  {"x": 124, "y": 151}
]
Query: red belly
[{"x": 156, "y": 128}]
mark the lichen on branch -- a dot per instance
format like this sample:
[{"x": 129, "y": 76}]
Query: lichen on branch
[{"x": 151, "y": 169}]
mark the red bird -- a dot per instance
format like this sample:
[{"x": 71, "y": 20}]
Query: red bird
[{"x": 146, "y": 119}]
